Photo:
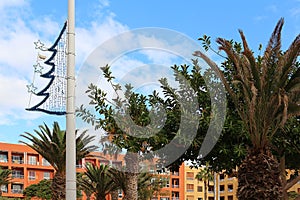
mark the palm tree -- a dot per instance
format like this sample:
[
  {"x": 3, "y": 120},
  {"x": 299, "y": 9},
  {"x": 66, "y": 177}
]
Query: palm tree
[
  {"x": 265, "y": 91},
  {"x": 205, "y": 175},
  {"x": 113, "y": 151},
  {"x": 5, "y": 177},
  {"x": 97, "y": 181},
  {"x": 119, "y": 177},
  {"x": 52, "y": 146}
]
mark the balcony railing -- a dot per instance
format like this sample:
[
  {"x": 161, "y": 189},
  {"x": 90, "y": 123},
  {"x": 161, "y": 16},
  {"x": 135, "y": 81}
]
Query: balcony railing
[
  {"x": 175, "y": 198},
  {"x": 175, "y": 186},
  {"x": 18, "y": 161},
  {"x": 21, "y": 176},
  {"x": 17, "y": 191},
  {"x": 4, "y": 160},
  {"x": 32, "y": 162}
]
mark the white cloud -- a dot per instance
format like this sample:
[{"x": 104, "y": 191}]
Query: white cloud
[
  {"x": 295, "y": 12},
  {"x": 14, "y": 99},
  {"x": 18, "y": 53},
  {"x": 272, "y": 8},
  {"x": 11, "y": 3}
]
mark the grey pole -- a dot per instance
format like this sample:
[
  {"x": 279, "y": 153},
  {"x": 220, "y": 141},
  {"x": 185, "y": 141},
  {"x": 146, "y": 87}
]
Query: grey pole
[{"x": 70, "y": 107}]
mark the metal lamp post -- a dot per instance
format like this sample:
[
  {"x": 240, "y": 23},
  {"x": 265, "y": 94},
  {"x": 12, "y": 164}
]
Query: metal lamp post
[{"x": 70, "y": 107}]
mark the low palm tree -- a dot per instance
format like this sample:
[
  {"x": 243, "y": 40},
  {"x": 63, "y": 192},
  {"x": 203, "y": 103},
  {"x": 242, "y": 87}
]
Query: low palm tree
[
  {"x": 5, "y": 177},
  {"x": 205, "y": 175},
  {"x": 265, "y": 91},
  {"x": 51, "y": 144},
  {"x": 97, "y": 181}
]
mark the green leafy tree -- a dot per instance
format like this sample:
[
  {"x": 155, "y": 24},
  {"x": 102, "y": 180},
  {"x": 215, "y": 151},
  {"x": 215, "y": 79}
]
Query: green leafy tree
[
  {"x": 5, "y": 177},
  {"x": 41, "y": 190},
  {"x": 265, "y": 92},
  {"x": 135, "y": 109},
  {"x": 51, "y": 144},
  {"x": 140, "y": 106}
]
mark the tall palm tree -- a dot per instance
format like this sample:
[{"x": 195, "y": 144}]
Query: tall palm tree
[
  {"x": 97, "y": 181},
  {"x": 51, "y": 144},
  {"x": 5, "y": 177},
  {"x": 266, "y": 92},
  {"x": 205, "y": 175}
]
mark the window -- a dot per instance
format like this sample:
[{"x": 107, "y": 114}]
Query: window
[
  {"x": 17, "y": 159},
  {"x": 3, "y": 158},
  {"x": 230, "y": 197},
  {"x": 4, "y": 188},
  {"x": 164, "y": 198},
  {"x": 47, "y": 175},
  {"x": 222, "y": 198},
  {"x": 222, "y": 188},
  {"x": 211, "y": 188},
  {"x": 190, "y": 175},
  {"x": 45, "y": 162},
  {"x": 175, "y": 183},
  {"x": 199, "y": 189},
  {"x": 190, "y": 187},
  {"x": 17, "y": 174},
  {"x": 17, "y": 188},
  {"x": 230, "y": 188},
  {"x": 120, "y": 193},
  {"x": 199, "y": 198},
  {"x": 222, "y": 177},
  {"x": 31, "y": 175},
  {"x": 31, "y": 160},
  {"x": 211, "y": 198},
  {"x": 190, "y": 197}
]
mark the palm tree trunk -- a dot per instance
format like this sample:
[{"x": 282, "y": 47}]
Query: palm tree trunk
[
  {"x": 114, "y": 195},
  {"x": 132, "y": 169},
  {"x": 58, "y": 186},
  {"x": 283, "y": 177},
  {"x": 100, "y": 197},
  {"x": 259, "y": 177}
]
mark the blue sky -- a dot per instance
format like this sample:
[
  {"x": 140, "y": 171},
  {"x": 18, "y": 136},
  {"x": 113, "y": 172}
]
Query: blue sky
[{"x": 25, "y": 21}]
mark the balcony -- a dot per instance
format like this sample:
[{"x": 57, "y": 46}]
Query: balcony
[
  {"x": 20, "y": 176},
  {"x": 3, "y": 156},
  {"x": 175, "y": 186},
  {"x": 31, "y": 162},
  {"x": 17, "y": 191},
  {"x": 4, "y": 189},
  {"x": 175, "y": 198},
  {"x": 17, "y": 161}
]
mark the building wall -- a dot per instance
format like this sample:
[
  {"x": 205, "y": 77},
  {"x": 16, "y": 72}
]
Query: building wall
[{"x": 27, "y": 166}]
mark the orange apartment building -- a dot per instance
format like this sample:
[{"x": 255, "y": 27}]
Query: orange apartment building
[{"x": 28, "y": 167}]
